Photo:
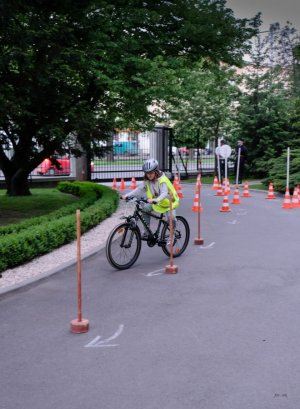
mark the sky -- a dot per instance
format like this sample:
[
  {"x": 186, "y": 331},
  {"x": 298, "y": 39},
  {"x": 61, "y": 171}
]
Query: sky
[{"x": 272, "y": 11}]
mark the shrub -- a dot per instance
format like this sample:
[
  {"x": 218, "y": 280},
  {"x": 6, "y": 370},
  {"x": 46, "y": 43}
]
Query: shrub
[
  {"x": 278, "y": 171},
  {"x": 40, "y": 235}
]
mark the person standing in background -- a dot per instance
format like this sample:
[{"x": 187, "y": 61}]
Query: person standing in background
[{"x": 240, "y": 160}]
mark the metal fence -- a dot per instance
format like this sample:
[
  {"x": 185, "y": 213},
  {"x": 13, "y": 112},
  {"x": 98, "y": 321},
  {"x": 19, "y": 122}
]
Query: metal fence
[
  {"x": 125, "y": 154},
  {"x": 129, "y": 149}
]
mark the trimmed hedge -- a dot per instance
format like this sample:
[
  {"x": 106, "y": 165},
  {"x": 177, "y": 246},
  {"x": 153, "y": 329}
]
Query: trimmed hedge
[{"x": 22, "y": 242}]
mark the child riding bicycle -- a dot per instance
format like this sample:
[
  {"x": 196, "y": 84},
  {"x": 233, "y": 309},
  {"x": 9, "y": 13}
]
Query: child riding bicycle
[{"x": 158, "y": 189}]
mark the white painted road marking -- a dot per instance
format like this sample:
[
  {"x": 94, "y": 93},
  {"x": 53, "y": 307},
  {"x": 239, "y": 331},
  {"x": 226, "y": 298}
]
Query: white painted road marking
[
  {"x": 210, "y": 246},
  {"x": 242, "y": 213},
  {"x": 233, "y": 222},
  {"x": 155, "y": 273},
  {"x": 105, "y": 342}
]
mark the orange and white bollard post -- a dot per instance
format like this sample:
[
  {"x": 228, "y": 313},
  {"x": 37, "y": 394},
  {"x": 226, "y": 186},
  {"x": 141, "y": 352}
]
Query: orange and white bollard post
[
  {"x": 79, "y": 325},
  {"x": 171, "y": 268}
]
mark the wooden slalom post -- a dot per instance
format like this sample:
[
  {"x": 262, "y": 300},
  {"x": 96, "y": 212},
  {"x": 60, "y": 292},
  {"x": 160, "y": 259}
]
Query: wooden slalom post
[
  {"x": 171, "y": 268},
  {"x": 80, "y": 324},
  {"x": 198, "y": 240}
]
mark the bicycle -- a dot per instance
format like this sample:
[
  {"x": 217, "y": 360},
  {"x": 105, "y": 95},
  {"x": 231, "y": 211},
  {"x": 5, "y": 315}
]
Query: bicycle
[{"x": 124, "y": 243}]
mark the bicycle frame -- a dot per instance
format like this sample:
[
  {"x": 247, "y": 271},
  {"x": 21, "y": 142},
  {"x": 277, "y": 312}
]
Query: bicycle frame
[{"x": 138, "y": 215}]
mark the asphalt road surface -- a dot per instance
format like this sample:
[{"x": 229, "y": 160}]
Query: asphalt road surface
[{"x": 223, "y": 333}]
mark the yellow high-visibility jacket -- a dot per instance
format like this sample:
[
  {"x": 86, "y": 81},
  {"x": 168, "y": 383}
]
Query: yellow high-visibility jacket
[{"x": 164, "y": 205}]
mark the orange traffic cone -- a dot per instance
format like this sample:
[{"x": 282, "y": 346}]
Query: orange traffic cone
[
  {"x": 122, "y": 185},
  {"x": 114, "y": 184},
  {"x": 295, "y": 198},
  {"x": 177, "y": 186},
  {"x": 197, "y": 205},
  {"x": 246, "y": 190},
  {"x": 236, "y": 197},
  {"x": 215, "y": 186},
  {"x": 227, "y": 185},
  {"x": 133, "y": 184},
  {"x": 225, "y": 205},
  {"x": 220, "y": 191},
  {"x": 176, "y": 182},
  {"x": 270, "y": 192},
  {"x": 287, "y": 200},
  {"x": 179, "y": 190}
]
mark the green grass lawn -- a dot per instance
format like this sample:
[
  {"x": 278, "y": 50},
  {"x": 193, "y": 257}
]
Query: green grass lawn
[{"x": 42, "y": 201}]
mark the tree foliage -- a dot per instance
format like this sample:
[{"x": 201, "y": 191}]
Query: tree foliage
[
  {"x": 278, "y": 170},
  {"x": 268, "y": 113},
  {"x": 72, "y": 71},
  {"x": 203, "y": 104}
]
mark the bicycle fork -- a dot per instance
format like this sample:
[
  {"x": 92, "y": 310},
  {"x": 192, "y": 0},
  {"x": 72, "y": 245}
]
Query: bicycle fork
[{"x": 124, "y": 243}]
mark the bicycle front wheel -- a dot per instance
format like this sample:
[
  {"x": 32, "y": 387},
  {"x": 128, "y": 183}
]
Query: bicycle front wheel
[
  {"x": 181, "y": 237},
  {"x": 123, "y": 246}
]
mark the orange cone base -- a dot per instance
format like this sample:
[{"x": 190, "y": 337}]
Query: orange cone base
[
  {"x": 272, "y": 197},
  {"x": 246, "y": 195},
  {"x": 171, "y": 269},
  {"x": 286, "y": 206},
  {"x": 225, "y": 210},
  {"x": 196, "y": 209},
  {"x": 198, "y": 241},
  {"x": 79, "y": 327}
]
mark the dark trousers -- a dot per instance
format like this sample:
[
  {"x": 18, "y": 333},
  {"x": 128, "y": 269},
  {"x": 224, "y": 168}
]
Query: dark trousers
[
  {"x": 241, "y": 170},
  {"x": 222, "y": 169}
]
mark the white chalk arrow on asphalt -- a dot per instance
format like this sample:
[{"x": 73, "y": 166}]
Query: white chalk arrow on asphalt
[
  {"x": 233, "y": 222},
  {"x": 97, "y": 342},
  {"x": 155, "y": 273},
  {"x": 210, "y": 246}
]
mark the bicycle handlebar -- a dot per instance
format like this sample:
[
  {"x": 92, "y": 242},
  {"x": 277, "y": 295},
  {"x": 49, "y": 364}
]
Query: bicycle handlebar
[{"x": 139, "y": 201}]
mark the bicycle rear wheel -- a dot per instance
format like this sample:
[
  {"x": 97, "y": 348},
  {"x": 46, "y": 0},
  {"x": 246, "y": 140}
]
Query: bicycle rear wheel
[
  {"x": 181, "y": 237},
  {"x": 123, "y": 246}
]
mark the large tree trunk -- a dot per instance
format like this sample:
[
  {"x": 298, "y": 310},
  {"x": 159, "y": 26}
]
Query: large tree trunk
[{"x": 18, "y": 184}]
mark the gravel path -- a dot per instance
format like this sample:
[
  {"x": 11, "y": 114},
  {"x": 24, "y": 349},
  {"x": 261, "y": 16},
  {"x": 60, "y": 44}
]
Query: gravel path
[{"x": 91, "y": 242}]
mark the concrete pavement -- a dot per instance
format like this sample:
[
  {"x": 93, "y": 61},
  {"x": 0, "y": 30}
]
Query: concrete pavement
[{"x": 222, "y": 333}]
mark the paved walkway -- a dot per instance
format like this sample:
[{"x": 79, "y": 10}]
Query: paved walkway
[{"x": 222, "y": 333}]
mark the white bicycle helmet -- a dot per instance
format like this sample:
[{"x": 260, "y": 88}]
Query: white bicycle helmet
[{"x": 150, "y": 165}]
